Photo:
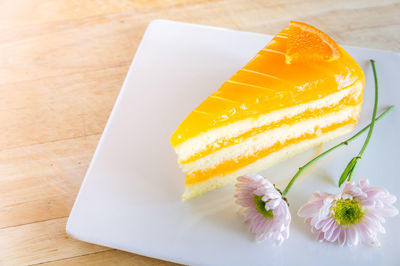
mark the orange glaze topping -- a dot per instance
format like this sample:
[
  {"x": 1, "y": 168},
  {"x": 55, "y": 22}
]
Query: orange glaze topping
[
  {"x": 268, "y": 83},
  {"x": 231, "y": 165}
]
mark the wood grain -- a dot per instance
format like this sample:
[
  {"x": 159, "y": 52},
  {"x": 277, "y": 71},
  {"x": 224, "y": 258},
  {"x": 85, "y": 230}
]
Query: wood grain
[
  {"x": 109, "y": 257},
  {"x": 62, "y": 63},
  {"x": 40, "y": 242}
]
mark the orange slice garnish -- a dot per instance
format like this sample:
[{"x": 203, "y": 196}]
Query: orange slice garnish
[{"x": 307, "y": 43}]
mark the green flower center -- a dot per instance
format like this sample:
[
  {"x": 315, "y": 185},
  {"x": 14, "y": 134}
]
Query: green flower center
[
  {"x": 260, "y": 207},
  {"x": 347, "y": 212}
]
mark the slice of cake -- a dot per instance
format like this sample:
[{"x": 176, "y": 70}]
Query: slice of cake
[{"x": 302, "y": 89}]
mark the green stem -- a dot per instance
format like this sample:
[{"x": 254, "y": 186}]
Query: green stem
[
  {"x": 349, "y": 170},
  {"x": 346, "y": 142},
  {"x": 371, "y": 128}
]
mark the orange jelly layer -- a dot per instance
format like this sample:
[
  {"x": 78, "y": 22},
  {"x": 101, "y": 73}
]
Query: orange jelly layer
[
  {"x": 309, "y": 114},
  {"x": 267, "y": 84},
  {"x": 232, "y": 165}
]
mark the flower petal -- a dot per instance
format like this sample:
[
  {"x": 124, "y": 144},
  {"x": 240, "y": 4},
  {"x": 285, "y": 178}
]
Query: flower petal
[
  {"x": 342, "y": 237},
  {"x": 336, "y": 233},
  {"x": 310, "y": 209},
  {"x": 275, "y": 228},
  {"x": 387, "y": 211},
  {"x": 376, "y": 202}
]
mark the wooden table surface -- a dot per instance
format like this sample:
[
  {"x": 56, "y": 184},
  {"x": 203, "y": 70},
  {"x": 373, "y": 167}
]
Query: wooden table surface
[{"x": 62, "y": 64}]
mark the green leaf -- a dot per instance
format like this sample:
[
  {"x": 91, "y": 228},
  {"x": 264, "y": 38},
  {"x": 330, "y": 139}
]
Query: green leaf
[
  {"x": 348, "y": 170},
  {"x": 352, "y": 169}
]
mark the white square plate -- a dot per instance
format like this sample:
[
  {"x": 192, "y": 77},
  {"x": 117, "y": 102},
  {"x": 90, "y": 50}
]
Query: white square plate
[{"x": 131, "y": 196}]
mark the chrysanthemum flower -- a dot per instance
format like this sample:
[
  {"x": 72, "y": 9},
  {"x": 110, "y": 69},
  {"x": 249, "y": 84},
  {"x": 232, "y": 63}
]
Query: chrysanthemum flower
[
  {"x": 351, "y": 217},
  {"x": 264, "y": 209}
]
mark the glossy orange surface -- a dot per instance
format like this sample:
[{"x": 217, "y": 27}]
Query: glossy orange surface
[
  {"x": 267, "y": 83},
  {"x": 234, "y": 164}
]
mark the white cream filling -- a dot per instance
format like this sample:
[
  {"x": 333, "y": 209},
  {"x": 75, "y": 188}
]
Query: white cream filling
[
  {"x": 194, "y": 145},
  {"x": 268, "y": 138}
]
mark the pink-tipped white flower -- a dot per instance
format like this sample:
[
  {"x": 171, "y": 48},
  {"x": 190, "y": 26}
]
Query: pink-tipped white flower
[
  {"x": 351, "y": 217},
  {"x": 264, "y": 209}
]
